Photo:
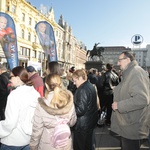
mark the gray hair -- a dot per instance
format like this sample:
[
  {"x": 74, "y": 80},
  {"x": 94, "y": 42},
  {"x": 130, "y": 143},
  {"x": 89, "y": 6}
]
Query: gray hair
[{"x": 129, "y": 55}]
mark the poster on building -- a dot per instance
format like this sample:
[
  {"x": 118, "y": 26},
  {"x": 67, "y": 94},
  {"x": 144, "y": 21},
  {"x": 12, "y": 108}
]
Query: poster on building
[
  {"x": 46, "y": 37},
  {"x": 8, "y": 40}
]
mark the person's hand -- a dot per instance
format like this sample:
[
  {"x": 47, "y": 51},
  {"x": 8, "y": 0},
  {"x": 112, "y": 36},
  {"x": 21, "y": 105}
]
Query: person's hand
[{"x": 114, "y": 106}]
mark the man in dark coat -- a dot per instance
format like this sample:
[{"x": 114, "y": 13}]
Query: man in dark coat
[
  {"x": 85, "y": 100},
  {"x": 106, "y": 83},
  {"x": 4, "y": 92}
]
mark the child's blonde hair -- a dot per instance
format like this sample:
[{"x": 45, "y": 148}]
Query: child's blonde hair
[{"x": 61, "y": 96}]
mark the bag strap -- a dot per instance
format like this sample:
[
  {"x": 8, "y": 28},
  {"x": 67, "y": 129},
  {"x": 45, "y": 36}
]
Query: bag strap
[
  {"x": 114, "y": 74},
  {"x": 62, "y": 120}
]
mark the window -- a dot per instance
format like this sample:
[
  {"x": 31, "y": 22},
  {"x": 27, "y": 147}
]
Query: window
[
  {"x": 35, "y": 38},
  {"x": 30, "y": 20},
  {"x": 27, "y": 52},
  {"x": 13, "y": 9},
  {"x": 60, "y": 35},
  {"x": 43, "y": 56},
  {"x": 23, "y": 17},
  {"x": 35, "y": 23},
  {"x": 22, "y": 33},
  {"x": 59, "y": 46},
  {"x": 39, "y": 55},
  {"x": 57, "y": 33},
  {"x": 29, "y": 36},
  {"x": 33, "y": 54},
  {"x": 21, "y": 50},
  {"x": 24, "y": 51},
  {"x": 7, "y": 8}
]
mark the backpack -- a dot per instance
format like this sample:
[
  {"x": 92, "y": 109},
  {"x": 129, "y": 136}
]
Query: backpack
[
  {"x": 114, "y": 79},
  {"x": 61, "y": 134},
  {"x": 108, "y": 82}
]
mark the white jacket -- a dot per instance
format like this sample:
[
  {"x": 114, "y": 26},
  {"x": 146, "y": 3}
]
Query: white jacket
[{"x": 16, "y": 129}]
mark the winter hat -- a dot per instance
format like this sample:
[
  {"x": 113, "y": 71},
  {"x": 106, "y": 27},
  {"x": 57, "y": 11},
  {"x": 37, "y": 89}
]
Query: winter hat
[{"x": 30, "y": 69}]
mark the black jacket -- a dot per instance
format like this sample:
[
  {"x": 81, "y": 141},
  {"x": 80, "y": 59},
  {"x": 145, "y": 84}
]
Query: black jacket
[
  {"x": 85, "y": 101},
  {"x": 4, "y": 80},
  {"x": 107, "y": 81}
]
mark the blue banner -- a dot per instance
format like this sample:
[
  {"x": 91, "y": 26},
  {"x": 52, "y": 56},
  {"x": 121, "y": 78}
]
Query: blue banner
[
  {"x": 8, "y": 40},
  {"x": 47, "y": 40}
]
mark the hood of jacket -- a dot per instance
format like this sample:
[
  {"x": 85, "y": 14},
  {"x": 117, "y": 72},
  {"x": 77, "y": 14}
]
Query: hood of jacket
[{"x": 54, "y": 111}]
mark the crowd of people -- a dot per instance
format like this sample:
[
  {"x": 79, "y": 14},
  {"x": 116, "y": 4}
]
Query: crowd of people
[{"x": 31, "y": 106}]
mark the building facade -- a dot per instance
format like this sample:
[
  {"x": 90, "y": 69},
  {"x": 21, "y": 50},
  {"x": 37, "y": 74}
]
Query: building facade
[
  {"x": 69, "y": 50},
  {"x": 111, "y": 54},
  {"x": 143, "y": 57}
]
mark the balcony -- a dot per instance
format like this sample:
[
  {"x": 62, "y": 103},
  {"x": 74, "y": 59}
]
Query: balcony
[{"x": 34, "y": 45}]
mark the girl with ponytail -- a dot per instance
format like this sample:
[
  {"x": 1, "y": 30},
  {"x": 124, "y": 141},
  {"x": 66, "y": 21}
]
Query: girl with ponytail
[{"x": 58, "y": 103}]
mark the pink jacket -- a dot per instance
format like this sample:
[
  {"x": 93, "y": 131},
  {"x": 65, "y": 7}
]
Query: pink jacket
[{"x": 44, "y": 122}]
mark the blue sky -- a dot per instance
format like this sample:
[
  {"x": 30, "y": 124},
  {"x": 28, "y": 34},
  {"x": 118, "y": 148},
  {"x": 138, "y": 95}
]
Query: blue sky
[{"x": 110, "y": 22}]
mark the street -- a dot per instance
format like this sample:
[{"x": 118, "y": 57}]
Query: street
[{"x": 106, "y": 140}]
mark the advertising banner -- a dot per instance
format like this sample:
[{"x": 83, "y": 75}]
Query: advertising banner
[
  {"x": 46, "y": 37},
  {"x": 8, "y": 40}
]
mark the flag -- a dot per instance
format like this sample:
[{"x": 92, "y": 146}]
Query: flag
[
  {"x": 46, "y": 37},
  {"x": 8, "y": 40}
]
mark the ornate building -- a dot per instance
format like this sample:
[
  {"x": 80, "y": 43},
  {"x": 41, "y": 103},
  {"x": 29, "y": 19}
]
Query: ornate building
[
  {"x": 70, "y": 51},
  {"x": 142, "y": 56},
  {"x": 111, "y": 53}
]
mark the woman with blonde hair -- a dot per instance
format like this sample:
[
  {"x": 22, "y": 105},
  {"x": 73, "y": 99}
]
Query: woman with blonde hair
[{"x": 58, "y": 103}]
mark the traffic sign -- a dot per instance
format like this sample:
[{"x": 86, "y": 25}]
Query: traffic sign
[{"x": 137, "y": 39}]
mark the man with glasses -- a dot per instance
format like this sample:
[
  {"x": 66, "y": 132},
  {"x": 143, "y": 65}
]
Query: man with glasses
[{"x": 130, "y": 106}]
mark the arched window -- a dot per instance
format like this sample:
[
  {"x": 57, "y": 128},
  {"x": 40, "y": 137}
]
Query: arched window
[
  {"x": 35, "y": 38},
  {"x": 29, "y": 36}
]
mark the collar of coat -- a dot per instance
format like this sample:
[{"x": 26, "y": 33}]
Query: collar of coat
[
  {"x": 54, "y": 111},
  {"x": 129, "y": 68}
]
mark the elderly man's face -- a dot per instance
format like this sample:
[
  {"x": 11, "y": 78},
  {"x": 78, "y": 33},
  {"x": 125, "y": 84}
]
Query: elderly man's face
[{"x": 123, "y": 62}]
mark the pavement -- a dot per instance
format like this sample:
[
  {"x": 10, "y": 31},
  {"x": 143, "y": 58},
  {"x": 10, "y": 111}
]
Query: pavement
[{"x": 107, "y": 140}]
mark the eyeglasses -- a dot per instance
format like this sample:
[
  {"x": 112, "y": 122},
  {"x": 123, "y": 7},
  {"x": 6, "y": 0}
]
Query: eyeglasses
[{"x": 122, "y": 59}]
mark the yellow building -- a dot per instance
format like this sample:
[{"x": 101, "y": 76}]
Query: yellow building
[{"x": 70, "y": 51}]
